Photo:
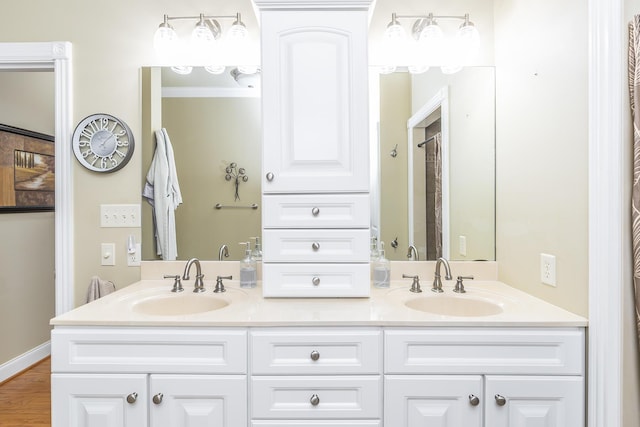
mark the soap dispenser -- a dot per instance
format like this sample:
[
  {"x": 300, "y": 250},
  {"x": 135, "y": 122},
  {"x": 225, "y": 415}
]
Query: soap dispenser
[
  {"x": 256, "y": 254},
  {"x": 374, "y": 253},
  {"x": 381, "y": 270},
  {"x": 248, "y": 270}
]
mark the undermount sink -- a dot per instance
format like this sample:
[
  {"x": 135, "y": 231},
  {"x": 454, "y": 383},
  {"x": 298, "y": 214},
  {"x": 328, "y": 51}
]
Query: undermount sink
[
  {"x": 460, "y": 306},
  {"x": 179, "y": 304}
]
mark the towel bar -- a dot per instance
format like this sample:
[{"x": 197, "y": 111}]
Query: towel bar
[{"x": 252, "y": 206}]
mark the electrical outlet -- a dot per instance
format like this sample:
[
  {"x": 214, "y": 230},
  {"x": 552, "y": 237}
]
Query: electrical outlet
[
  {"x": 548, "y": 269},
  {"x": 133, "y": 259},
  {"x": 462, "y": 245},
  {"x": 120, "y": 215}
]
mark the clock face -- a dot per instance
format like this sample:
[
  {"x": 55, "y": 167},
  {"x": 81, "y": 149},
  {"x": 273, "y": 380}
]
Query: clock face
[{"x": 103, "y": 143}]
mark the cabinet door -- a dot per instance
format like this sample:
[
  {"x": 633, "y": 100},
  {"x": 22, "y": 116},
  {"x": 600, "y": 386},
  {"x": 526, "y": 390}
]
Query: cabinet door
[
  {"x": 517, "y": 401},
  {"x": 198, "y": 400},
  {"x": 315, "y": 101},
  {"x": 434, "y": 400},
  {"x": 94, "y": 400}
]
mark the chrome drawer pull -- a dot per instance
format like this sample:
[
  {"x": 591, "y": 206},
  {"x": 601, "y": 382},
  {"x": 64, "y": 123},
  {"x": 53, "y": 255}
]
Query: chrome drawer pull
[
  {"x": 315, "y": 246},
  {"x": 500, "y": 400},
  {"x": 315, "y": 355},
  {"x": 315, "y": 281},
  {"x": 270, "y": 176},
  {"x": 157, "y": 399},
  {"x": 315, "y": 211},
  {"x": 132, "y": 397},
  {"x": 315, "y": 400},
  {"x": 473, "y": 400}
]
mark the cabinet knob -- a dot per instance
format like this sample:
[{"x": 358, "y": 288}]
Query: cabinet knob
[
  {"x": 315, "y": 211},
  {"x": 270, "y": 176},
  {"x": 315, "y": 355},
  {"x": 315, "y": 400},
  {"x": 474, "y": 400},
  {"x": 315, "y": 246},
  {"x": 315, "y": 281},
  {"x": 132, "y": 397},
  {"x": 500, "y": 400},
  {"x": 157, "y": 399}
]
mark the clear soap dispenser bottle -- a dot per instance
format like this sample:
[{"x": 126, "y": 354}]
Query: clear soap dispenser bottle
[
  {"x": 248, "y": 270},
  {"x": 381, "y": 270},
  {"x": 374, "y": 253}
]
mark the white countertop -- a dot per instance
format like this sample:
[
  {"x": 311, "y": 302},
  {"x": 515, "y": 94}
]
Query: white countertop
[{"x": 385, "y": 307}]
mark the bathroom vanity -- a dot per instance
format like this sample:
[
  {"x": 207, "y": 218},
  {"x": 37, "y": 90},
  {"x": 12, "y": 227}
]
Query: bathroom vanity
[{"x": 238, "y": 359}]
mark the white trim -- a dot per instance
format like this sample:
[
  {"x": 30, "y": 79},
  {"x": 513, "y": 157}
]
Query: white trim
[
  {"x": 439, "y": 100},
  {"x": 606, "y": 218},
  {"x": 24, "y": 361},
  {"x": 209, "y": 92},
  {"x": 55, "y": 56}
]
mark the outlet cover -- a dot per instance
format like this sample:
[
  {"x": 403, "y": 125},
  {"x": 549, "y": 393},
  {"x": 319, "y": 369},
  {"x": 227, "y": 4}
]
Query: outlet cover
[{"x": 548, "y": 269}]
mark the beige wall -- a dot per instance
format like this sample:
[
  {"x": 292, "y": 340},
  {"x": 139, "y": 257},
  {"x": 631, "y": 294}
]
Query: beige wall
[
  {"x": 27, "y": 296},
  {"x": 542, "y": 134}
]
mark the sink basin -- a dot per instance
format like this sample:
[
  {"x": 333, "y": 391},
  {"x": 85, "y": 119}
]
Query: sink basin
[
  {"x": 179, "y": 304},
  {"x": 454, "y": 306}
]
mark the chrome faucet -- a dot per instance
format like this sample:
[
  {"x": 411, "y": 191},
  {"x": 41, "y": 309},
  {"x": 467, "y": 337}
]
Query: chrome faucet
[
  {"x": 413, "y": 253},
  {"x": 223, "y": 252},
  {"x": 437, "y": 283},
  {"x": 199, "y": 284}
]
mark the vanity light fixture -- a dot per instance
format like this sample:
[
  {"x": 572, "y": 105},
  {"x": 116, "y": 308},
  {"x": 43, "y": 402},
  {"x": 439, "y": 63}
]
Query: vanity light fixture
[
  {"x": 428, "y": 45},
  {"x": 207, "y": 46}
]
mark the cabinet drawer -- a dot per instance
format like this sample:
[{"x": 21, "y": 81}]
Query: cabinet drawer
[
  {"x": 316, "y": 211},
  {"x": 149, "y": 350},
  {"x": 315, "y": 280},
  {"x": 547, "y": 351},
  {"x": 316, "y": 423},
  {"x": 315, "y": 246},
  {"x": 316, "y": 351},
  {"x": 345, "y": 397}
]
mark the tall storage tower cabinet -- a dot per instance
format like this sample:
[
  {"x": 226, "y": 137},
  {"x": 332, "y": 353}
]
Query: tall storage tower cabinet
[{"x": 315, "y": 152}]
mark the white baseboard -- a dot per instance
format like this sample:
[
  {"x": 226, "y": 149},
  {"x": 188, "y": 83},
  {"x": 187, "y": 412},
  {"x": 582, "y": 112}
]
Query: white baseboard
[{"x": 22, "y": 362}]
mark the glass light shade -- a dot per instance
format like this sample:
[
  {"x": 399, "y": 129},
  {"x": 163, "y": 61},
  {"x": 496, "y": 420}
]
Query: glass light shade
[
  {"x": 237, "y": 33},
  {"x": 468, "y": 41},
  {"x": 450, "y": 69},
  {"x": 418, "y": 68},
  {"x": 215, "y": 69},
  {"x": 202, "y": 36},
  {"x": 386, "y": 69},
  {"x": 248, "y": 69},
  {"x": 183, "y": 70},
  {"x": 165, "y": 40},
  {"x": 431, "y": 43},
  {"x": 395, "y": 31}
]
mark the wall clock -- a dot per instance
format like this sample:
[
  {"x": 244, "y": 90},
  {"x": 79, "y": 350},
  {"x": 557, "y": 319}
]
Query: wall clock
[{"x": 103, "y": 143}]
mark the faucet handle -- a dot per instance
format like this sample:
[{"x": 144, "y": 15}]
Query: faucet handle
[
  {"x": 415, "y": 285},
  {"x": 177, "y": 284},
  {"x": 459, "y": 288},
  {"x": 219, "y": 285}
]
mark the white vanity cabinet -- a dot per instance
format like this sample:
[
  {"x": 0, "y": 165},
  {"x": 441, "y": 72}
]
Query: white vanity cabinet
[
  {"x": 315, "y": 148},
  {"x": 316, "y": 377},
  {"x": 496, "y": 377},
  {"x": 156, "y": 377}
]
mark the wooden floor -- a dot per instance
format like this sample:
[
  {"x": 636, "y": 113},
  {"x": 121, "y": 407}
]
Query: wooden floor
[{"x": 25, "y": 399}]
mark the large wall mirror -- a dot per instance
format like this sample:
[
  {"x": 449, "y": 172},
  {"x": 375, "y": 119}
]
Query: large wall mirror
[
  {"x": 214, "y": 121},
  {"x": 437, "y": 164}
]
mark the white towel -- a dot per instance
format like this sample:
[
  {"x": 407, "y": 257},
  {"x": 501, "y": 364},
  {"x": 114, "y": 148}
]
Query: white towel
[
  {"x": 99, "y": 288},
  {"x": 162, "y": 191}
]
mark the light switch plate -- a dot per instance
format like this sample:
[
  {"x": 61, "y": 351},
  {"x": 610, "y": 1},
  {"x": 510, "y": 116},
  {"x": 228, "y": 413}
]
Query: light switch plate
[
  {"x": 120, "y": 215},
  {"x": 108, "y": 254}
]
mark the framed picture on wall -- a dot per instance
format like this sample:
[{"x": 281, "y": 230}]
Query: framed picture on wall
[{"x": 27, "y": 170}]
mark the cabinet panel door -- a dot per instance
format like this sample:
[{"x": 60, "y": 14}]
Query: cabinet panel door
[
  {"x": 198, "y": 400},
  {"x": 94, "y": 400},
  {"x": 535, "y": 401},
  {"x": 315, "y": 97},
  {"x": 442, "y": 400}
]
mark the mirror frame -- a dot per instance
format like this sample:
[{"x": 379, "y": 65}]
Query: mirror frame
[{"x": 56, "y": 57}]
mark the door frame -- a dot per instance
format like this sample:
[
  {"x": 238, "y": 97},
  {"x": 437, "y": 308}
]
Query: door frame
[{"x": 56, "y": 57}]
